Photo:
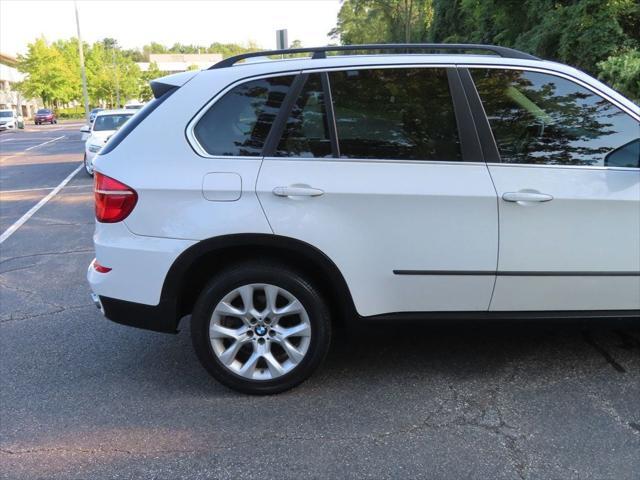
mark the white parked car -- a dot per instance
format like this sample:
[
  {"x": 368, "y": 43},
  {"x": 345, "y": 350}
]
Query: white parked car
[
  {"x": 106, "y": 123},
  {"x": 10, "y": 120},
  {"x": 273, "y": 200}
]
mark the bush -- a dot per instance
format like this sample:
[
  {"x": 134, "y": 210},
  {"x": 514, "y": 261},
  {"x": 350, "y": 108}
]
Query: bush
[
  {"x": 74, "y": 113},
  {"x": 622, "y": 72}
]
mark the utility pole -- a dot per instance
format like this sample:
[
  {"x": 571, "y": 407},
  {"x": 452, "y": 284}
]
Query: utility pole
[
  {"x": 82, "y": 71},
  {"x": 115, "y": 71}
]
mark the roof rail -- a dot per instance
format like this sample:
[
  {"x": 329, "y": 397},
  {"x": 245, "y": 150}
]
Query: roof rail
[{"x": 321, "y": 52}]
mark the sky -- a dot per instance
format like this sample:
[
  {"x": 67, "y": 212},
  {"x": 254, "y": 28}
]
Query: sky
[{"x": 137, "y": 22}]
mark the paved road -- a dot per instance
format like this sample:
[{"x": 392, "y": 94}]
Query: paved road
[{"x": 83, "y": 398}]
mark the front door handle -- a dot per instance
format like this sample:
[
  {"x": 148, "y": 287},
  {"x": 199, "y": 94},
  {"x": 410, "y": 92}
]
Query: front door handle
[
  {"x": 526, "y": 197},
  {"x": 294, "y": 191}
]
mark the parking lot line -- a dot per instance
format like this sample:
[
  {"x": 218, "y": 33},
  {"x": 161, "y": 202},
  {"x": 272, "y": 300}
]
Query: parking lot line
[
  {"x": 22, "y": 220},
  {"x": 40, "y": 189},
  {"x": 44, "y": 143}
]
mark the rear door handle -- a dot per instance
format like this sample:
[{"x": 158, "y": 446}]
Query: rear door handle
[
  {"x": 297, "y": 192},
  {"x": 526, "y": 197}
]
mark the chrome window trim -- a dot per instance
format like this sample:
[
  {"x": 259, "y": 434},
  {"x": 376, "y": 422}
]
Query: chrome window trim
[
  {"x": 197, "y": 147},
  {"x": 573, "y": 79},
  {"x": 572, "y": 167},
  {"x": 566, "y": 76},
  {"x": 371, "y": 160},
  {"x": 379, "y": 67},
  {"x": 189, "y": 132},
  {"x": 192, "y": 140}
]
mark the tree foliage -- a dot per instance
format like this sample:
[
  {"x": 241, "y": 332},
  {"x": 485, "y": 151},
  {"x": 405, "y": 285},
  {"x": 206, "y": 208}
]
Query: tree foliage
[
  {"x": 50, "y": 77},
  {"x": 369, "y": 21},
  {"x": 109, "y": 70},
  {"x": 53, "y": 69},
  {"x": 601, "y": 37}
]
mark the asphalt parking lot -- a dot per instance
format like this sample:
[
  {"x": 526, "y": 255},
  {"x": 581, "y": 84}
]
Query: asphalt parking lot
[{"x": 84, "y": 398}]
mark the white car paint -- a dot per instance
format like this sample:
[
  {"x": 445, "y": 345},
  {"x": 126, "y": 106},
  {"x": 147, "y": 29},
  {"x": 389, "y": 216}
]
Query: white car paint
[
  {"x": 596, "y": 213},
  {"x": 97, "y": 138},
  {"x": 376, "y": 217},
  {"x": 9, "y": 119}
]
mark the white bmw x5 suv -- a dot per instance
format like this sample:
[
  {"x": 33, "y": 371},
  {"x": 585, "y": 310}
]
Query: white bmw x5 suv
[{"x": 271, "y": 200}]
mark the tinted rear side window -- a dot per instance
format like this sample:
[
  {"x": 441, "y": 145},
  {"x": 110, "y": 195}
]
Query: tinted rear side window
[
  {"x": 538, "y": 118},
  {"x": 306, "y": 132},
  {"x": 403, "y": 114},
  {"x": 239, "y": 122}
]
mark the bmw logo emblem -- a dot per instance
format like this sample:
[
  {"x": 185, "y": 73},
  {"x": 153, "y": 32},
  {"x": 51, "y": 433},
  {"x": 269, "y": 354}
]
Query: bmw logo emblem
[{"x": 260, "y": 330}]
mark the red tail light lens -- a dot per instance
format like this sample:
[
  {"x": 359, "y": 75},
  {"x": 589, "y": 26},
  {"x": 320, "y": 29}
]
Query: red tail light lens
[
  {"x": 114, "y": 200},
  {"x": 100, "y": 268}
]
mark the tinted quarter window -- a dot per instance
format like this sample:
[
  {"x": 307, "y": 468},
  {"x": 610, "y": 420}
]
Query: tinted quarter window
[
  {"x": 395, "y": 113},
  {"x": 239, "y": 122},
  {"x": 539, "y": 118},
  {"x": 306, "y": 133}
]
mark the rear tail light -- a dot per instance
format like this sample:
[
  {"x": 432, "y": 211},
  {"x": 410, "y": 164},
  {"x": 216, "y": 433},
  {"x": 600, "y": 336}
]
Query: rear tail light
[
  {"x": 114, "y": 200},
  {"x": 100, "y": 268}
]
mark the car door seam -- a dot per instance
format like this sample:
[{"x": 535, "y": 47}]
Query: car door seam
[{"x": 255, "y": 192}]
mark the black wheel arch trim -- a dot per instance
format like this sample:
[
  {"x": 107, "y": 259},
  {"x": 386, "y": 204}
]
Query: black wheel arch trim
[{"x": 187, "y": 259}]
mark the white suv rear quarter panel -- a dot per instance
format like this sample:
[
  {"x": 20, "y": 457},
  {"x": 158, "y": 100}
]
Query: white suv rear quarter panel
[{"x": 157, "y": 161}]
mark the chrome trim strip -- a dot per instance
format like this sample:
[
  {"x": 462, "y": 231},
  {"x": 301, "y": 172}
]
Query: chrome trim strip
[
  {"x": 522, "y": 273},
  {"x": 566, "y": 76},
  {"x": 569, "y": 167},
  {"x": 372, "y": 160},
  {"x": 191, "y": 138},
  {"x": 201, "y": 152}
]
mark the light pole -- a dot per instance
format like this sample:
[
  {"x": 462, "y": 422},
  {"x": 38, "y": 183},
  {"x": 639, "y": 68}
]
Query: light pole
[
  {"x": 85, "y": 95},
  {"x": 115, "y": 71}
]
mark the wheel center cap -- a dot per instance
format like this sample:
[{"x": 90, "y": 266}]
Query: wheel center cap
[{"x": 260, "y": 330}]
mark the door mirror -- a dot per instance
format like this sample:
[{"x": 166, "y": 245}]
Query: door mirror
[
  {"x": 628, "y": 155},
  {"x": 85, "y": 129}
]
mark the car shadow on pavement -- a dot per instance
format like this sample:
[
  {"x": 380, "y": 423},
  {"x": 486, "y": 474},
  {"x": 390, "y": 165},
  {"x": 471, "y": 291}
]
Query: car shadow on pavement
[{"x": 403, "y": 352}]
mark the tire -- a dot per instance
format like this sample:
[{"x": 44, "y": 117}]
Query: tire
[
  {"x": 86, "y": 167},
  {"x": 262, "y": 376}
]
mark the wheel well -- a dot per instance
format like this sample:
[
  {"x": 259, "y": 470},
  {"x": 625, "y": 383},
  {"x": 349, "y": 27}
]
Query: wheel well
[{"x": 195, "y": 267}]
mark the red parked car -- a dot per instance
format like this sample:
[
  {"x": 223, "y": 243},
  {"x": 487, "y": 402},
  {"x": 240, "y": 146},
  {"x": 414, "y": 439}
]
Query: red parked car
[{"x": 44, "y": 115}]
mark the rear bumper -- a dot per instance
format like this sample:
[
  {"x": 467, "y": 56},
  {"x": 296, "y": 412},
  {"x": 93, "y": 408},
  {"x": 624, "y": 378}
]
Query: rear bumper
[
  {"x": 159, "y": 318},
  {"x": 138, "y": 264},
  {"x": 131, "y": 292}
]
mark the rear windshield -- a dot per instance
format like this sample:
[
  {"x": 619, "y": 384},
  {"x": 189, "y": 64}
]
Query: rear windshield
[
  {"x": 110, "y": 122},
  {"x": 43, "y": 112}
]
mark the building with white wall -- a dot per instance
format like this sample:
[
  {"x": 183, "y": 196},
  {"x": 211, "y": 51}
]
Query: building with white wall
[
  {"x": 180, "y": 62},
  {"x": 9, "y": 96}
]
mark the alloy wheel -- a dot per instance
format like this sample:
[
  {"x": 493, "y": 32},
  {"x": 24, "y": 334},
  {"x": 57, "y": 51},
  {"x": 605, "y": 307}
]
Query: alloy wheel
[{"x": 260, "y": 331}]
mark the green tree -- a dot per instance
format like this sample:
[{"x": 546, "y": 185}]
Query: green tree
[
  {"x": 109, "y": 70},
  {"x": 383, "y": 21},
  {"x": 622, "y": 72},
  {"x": 231, "y": 49},
  {"x": 145, "y": 89},
  {"x": 597, "y": 36},
  {"x": 48, "y": 74},
  {"x": 69, "y": 51}
]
